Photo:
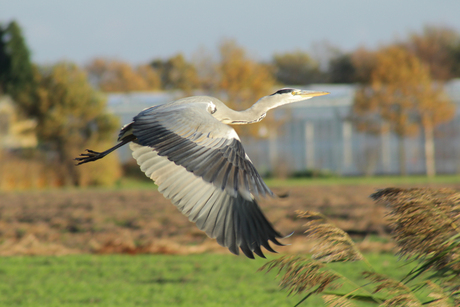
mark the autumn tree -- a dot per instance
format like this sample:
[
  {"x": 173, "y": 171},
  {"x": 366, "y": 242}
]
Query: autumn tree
[
  {"x": 72, "y": 116},
  {"x": 119, "y": 76},
  {"x": 207, "y": 69},
  {"x": 16, "y": 69},
  {"x": 177, "y": 73},
  {"x": 150, "y": 76},
  {"x": 242, "y": 81},
  {"x": 364, "y": 61},
  {"x": 402, "y": 96},
  {"x": 437, "y": 47}
]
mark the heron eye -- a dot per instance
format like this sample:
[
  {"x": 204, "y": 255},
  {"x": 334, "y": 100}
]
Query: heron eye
[{"x": 212, "y": 108}]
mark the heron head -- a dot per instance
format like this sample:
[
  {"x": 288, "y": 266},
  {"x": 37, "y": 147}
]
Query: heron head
[{"x": 286, "y": 96}]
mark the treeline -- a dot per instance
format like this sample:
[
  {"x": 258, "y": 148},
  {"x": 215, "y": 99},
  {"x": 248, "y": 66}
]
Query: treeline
[
  {"x": 437, "y": 48},
  {"x": 66, "y": 102}
]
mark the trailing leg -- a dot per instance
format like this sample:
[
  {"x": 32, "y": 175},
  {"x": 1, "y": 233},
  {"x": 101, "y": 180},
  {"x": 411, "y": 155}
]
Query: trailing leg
[{"x": 92, "y": 155}]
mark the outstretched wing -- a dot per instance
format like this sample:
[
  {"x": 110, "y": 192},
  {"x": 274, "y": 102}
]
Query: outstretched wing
[
  {"x": 200, "y": 165},
  {"x": 189, "y": 136}
]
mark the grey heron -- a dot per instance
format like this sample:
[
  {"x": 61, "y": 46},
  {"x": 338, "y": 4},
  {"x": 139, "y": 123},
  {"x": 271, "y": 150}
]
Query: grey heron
[{"x": 198, "y": 162}]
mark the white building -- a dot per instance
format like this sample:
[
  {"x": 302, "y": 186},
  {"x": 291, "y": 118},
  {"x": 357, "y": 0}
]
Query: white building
[{"x": 317, "y": 135}]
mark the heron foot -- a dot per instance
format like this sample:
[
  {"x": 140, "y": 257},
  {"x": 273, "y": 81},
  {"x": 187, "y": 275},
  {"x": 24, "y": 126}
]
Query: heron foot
[{"x": 89, "y": 156}]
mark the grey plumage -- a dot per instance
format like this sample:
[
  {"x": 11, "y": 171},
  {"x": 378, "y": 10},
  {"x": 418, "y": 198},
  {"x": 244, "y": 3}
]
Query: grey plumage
[{"x": 199, "y": 163}]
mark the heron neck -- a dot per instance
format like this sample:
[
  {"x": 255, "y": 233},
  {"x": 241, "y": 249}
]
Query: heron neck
[
  {"x": 251, "y": 115},
  {"x": 263, "y": 105}
]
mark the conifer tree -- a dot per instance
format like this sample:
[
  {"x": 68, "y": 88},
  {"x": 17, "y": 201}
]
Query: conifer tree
[{"x": 16, "y": 69}]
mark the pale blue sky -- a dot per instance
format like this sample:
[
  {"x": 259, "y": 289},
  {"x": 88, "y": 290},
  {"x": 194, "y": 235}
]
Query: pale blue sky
[{"x": 140, "y": 30}]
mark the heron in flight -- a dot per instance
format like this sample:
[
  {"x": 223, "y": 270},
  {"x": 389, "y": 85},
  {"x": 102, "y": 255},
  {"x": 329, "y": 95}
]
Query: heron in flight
[{"x": 187, "y": 148}]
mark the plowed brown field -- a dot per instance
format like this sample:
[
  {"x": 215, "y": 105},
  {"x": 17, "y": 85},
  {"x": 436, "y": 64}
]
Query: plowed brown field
[{"x": 129, "y": 221}]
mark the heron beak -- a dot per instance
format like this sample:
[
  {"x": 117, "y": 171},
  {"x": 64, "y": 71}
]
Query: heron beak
[{"x": 310, "y": 94}]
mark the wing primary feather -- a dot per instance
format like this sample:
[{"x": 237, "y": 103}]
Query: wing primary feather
[
  {"x": 263, "y": 222},
  {"x": 230, "y": 153},
  {"x": 246, "y": 251},
  {"x": 244, "y": 247},
  {"x": 245, "y": 183},
  {"x": 245, "y": 237},
  {"x": 254, "y": 238},
  {"x": 204, "y": 167},
  {"x": 228, "y": 236},
  {"x": 195, "y": 204},
  {"x": 263, "y": 226},
  {"x": 205, "y": 211},
  {"x": 204, "y": 157},
  {"x": 170, "y": 141},
  {"x": 258, "y": 251},
  {"x": 213, "y": 172},
  {"x": 181, "y": 198},
  {"x": 252, "y": 185},
  {"x": 151, "y": 139},
  {"x": 173, "y": 148},
  {"x": 185, "y": 150},
  {"x": 233, "y": 227},
  {"x": 224, "y": 184},
  {"x": 212, "y": 216},
  {"x": 190, "y": 160},
  {"x": 179, "y": 185},
  {"x": 234, "y": 178},
  {"x": 219, "y": 229}
]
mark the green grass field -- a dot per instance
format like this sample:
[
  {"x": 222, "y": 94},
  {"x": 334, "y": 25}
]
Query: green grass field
[
  {"x": 154, "y": 280},
  {"x": 377, "y": 180},
  {"x": 129, "y": 183}
]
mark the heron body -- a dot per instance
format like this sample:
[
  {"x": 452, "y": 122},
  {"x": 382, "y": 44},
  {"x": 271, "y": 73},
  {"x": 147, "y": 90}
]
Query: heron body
[{"x": 199, "y": 163}]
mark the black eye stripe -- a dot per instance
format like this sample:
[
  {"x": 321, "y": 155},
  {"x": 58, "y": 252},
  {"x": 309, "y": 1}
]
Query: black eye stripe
[{"x": 283, "y": 91}]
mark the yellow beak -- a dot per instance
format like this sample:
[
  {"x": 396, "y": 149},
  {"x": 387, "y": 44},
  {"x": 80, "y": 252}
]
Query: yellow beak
[{"x": 309, "y": 94}]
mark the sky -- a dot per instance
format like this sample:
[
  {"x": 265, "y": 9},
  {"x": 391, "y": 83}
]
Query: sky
[{"x": 139, "y": 31}]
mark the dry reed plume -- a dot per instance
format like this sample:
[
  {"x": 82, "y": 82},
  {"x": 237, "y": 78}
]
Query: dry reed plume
[{"x": 425, "y": 225}]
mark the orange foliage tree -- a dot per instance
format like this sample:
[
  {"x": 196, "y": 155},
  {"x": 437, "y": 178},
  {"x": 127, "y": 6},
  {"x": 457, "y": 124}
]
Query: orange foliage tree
[
  {"x": 243, "y": 81},
  {"x": 436, "y": 47},
  {"x": 118, "y": 76},
  {"x": 402, "y": 96},
  {"x": 177, "y": 73}
]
